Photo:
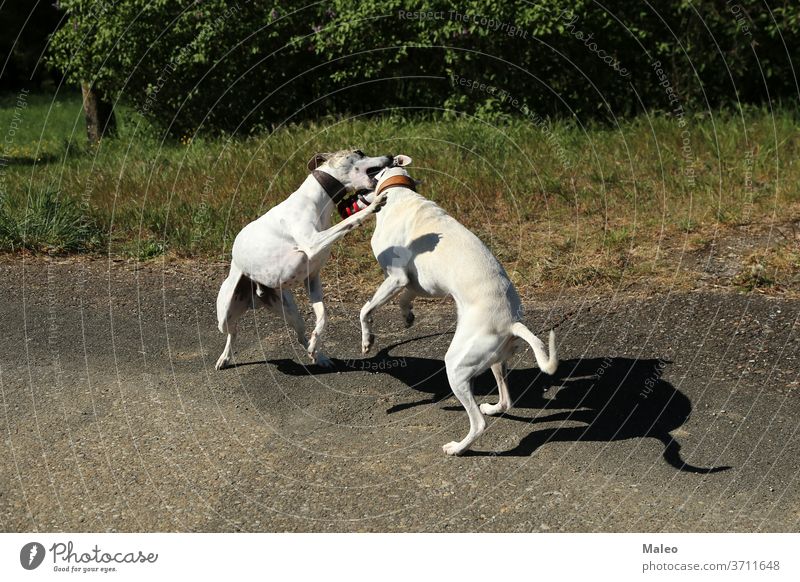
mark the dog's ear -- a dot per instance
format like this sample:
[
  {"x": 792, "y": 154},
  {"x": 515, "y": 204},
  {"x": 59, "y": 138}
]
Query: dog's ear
[
  {"x": 317, "y": 161},
  {"x": 401, "y": 160}
]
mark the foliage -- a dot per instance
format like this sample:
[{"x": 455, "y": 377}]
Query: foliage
[
  {"x": 25, "y": 27},
  {"x": 189, "y": 65},
  {"x": 242, "y": 66},
  {"x": 567, "y": 57}
]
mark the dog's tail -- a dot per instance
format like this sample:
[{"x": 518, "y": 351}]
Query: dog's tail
[
  {"x": 672, "y": 455},
  {"x": 236, "y": 282},
  {"x": 547, "y": 365}
]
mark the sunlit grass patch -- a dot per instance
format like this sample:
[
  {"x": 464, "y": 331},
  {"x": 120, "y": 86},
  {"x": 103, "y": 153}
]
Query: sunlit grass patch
[{"x": 582, "y": 206}]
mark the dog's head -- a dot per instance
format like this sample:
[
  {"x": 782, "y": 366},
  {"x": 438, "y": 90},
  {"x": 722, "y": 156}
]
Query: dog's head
[
  {"x": 396, "y": 169},
  {"x": 354, "y": 168}
]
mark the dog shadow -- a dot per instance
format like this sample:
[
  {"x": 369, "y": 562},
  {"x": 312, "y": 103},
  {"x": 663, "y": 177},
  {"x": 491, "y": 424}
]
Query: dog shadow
[
  {"x": 405, "y": 254},
  {"x": 613, "y": 399}
]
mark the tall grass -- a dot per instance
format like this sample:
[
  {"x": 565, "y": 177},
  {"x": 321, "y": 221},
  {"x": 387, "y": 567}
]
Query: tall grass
[
  {"x": 46, "y": 222},
  {"x": 566, "y": 201}
]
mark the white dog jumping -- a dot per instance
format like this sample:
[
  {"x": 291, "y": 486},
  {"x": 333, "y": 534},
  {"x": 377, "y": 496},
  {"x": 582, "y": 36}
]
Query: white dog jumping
[
  {"x": 425, "y": 252},
  {"x": 290, "y": 244}
]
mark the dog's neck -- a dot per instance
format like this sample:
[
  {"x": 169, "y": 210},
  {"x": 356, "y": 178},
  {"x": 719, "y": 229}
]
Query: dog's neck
[
  {"x": 396, "y": 180},
  {"x": 335, "y": 190}
]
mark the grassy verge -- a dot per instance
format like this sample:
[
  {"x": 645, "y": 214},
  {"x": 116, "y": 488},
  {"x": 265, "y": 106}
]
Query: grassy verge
[{"x": 561, "y": 205}]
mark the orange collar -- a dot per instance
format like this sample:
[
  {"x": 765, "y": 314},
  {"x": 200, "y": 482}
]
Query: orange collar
[{"x": 395, "y": 181}]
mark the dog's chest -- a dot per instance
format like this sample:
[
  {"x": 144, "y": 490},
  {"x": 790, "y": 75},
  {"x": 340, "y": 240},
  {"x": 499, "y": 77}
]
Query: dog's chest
[
  {"x": 393, "y": 225},
  {"x": 322, "y": 221}
]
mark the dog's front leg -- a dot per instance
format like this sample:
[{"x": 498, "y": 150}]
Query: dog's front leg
[
  {"x": 314, "y": 243},
  {"x": 314, "y": 287},
  {"x": 390, "y": 287}
]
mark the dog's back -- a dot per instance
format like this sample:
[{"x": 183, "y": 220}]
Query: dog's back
[{"x": 441, "y": 256}]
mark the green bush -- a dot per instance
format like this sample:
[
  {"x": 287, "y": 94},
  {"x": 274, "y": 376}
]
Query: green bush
[
  {"x": 565, "y": 57},
  {"x": 243, "y": 66},
  {"x": 189, "y": 65}
]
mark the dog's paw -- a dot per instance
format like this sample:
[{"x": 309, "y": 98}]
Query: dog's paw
[
  {"x": 323, "y": 361},
  {"x": 492, "y": 409},
  {"x": 311, "y": 345},
  {"x": 453, "y": 448},
  {"x": 366, "y": 343},
  {"x": 378, "y": 202},
  {"x": 222, "y": 363},
  {"x": 409, "y": 319},
  {"x": 315, "y": 353}
]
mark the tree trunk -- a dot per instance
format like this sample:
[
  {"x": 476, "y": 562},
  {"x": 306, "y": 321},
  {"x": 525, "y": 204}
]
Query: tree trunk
[{"x": 100, "y": 120}]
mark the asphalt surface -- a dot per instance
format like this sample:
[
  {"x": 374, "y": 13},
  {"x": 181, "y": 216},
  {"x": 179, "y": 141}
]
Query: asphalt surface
[{"x": 676, "y": 412}]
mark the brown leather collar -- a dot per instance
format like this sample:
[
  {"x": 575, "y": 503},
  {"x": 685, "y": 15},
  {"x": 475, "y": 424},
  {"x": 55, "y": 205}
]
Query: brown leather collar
[
  {"x": 333, "y": 187},
  {"x": 394, "y": 181}
]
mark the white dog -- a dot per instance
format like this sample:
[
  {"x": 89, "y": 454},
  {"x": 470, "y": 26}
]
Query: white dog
[
  {"x": 425, "y": 252},
  {"x": 289, "y": 245}
]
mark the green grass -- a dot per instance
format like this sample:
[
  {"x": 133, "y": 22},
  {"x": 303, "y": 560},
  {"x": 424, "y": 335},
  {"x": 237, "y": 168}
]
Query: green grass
[
  {"x": 47, "y": 222},
  {"x": 574, "y": 209}
]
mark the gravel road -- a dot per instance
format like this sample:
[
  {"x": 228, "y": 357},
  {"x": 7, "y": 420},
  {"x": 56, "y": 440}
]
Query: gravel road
[{"x": 671, "y": 412}]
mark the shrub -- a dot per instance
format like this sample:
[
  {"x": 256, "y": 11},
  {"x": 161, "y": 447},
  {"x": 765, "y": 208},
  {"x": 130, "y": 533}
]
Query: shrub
[
  {"x": 246, "y": 66},
  {"x": 189, "y": 65},
  {"x": 565, "y": 57}
]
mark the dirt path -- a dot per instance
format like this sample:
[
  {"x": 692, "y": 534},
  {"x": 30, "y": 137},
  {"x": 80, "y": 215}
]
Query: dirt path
[{"x": 673, "y": 412}]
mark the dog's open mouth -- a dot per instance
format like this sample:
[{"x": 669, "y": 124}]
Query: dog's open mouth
[{"x": 373, "y": 171}]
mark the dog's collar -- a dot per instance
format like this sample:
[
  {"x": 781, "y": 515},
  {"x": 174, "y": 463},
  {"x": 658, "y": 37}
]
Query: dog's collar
[
  {"x": 333, "y": 187},
  {"x": 395, "y": 181}
]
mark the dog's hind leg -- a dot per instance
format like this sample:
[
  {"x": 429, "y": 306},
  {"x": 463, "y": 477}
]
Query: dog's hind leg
[
  {"x": 234, "y": 298},
  {"x": 406, "y": 307},
  {"x": 500, "y": 371},
  {"x": 287, "y": 309},
  {"x": 390, "y": 287},
  {"x": 468, "y": 356},
  {"x": 460, "y": 378}
]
